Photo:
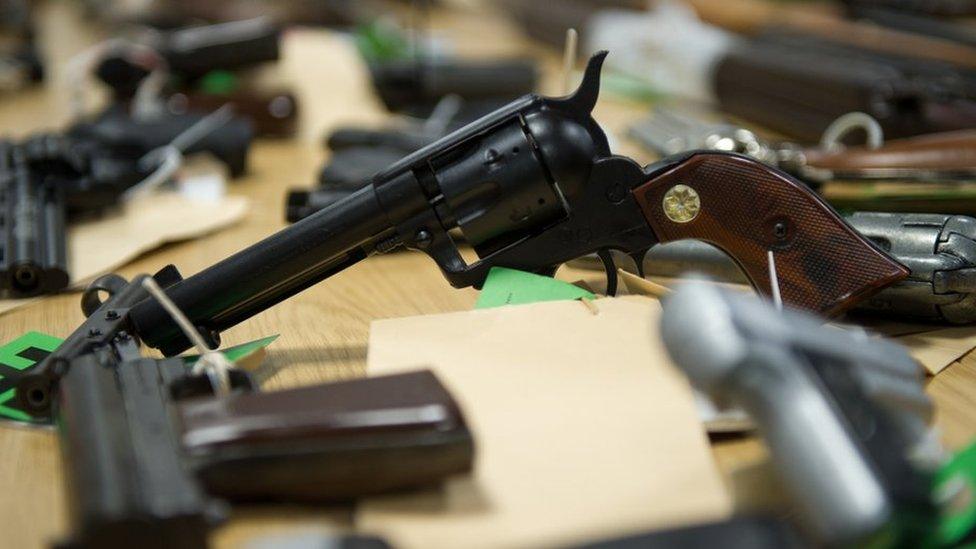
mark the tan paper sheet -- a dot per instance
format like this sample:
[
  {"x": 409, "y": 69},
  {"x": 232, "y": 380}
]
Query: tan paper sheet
[
  {"x": 98, "y": 246},
  {"x": 937, "y": 349},
  {"x": 583, "y": 428}
]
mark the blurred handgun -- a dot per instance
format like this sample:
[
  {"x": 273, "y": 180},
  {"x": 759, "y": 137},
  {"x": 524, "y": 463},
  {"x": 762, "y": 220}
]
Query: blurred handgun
[
  {"x": 412, "y": 78},
  {"x": 178, "y": 13},
  {"x": 49, "y": 180},
  {"x": 271, "y": 113},
  {"x": 116, "y": 129},
  {"x": 192, "y": 52},
  {"x": 33, "y": 250},
  {"x": 831, "y": 23},
  {"x": 416, "y": 86},
  {"x": 900, "y": 19},
  {"x": 196, "y": 61},
  {"x": 797, "y": 85},
  {"x": 939, "y": 250},
  {"x": 357, "y": 154},
  {"x": 153, "y": 447},
  {"x": 845, "y": 415},
  {"x": 20, "y": 60}
]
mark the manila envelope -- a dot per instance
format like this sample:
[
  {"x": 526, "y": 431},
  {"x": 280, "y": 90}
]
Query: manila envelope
[{"x": 583, "y": 429}]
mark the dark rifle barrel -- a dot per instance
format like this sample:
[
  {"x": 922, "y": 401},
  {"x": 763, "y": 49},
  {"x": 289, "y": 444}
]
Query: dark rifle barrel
[
  {"x": 268, "y": 272},
  {"x": 33, "y": 258}
]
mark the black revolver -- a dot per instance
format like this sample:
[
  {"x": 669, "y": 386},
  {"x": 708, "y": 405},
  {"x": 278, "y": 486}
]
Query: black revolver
[{"x": 530, "y": 186}]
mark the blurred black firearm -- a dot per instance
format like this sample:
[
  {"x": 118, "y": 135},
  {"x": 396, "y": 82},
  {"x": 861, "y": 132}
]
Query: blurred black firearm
[
  {"x": 155, "y": 448},
  {"x": 48, "y": 180},
  {"x": 357, "y": 154},
  {"x": 808, "y": 82},
  {"x": 187, "y": 56},
  {"x": 21, "y": 63}
]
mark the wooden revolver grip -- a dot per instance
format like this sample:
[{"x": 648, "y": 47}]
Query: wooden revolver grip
[{"x": 747, "y": 209}]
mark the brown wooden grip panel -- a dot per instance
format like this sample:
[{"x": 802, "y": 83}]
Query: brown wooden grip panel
[
  {"x": 747, "y": 208},
  {"x": 329, "y": 442}
]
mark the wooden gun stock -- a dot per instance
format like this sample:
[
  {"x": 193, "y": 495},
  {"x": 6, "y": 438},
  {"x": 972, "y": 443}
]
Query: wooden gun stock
[
  {"x": 329, "y": 442},
  {"x": 938, "y": 151}
]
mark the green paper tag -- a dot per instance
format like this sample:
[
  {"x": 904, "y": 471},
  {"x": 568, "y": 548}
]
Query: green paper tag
[
  {"x": 20, "y": 355},
  {"x": 511, "y": 287},
  {"x": 379, "y": 41},
  {"x": 16, "y": 358},
  {"x": 958, "y": 474},
  {"x": 218, "y": 82},
  {"x": 238, "y": 352}
]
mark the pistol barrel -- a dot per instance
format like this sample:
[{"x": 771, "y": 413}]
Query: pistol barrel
[{"x": 33, "y": 253}]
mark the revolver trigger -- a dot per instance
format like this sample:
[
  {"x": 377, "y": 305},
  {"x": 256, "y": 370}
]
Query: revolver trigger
[{"x": 607, "y": 258}]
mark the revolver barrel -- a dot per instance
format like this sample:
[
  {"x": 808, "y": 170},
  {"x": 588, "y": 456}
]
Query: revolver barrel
[{"x": 268, "y": 272}]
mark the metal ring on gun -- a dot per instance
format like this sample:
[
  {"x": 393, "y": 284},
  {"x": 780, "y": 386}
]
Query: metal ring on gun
[
  {"x": 110, "y": 283},
  {"x": 844, "y": 124}
]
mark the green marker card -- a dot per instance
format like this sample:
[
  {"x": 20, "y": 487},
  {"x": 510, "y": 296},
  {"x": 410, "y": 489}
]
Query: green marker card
[
  {"x": 512, "y": 287},
  {"x": 960, "y": 519},
  {"x": 20, "y": 355},
  {"x": 17, "y": 358}
]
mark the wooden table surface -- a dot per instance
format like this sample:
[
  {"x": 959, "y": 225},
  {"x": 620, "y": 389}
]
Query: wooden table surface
[{"x": 324, "y": 330}]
